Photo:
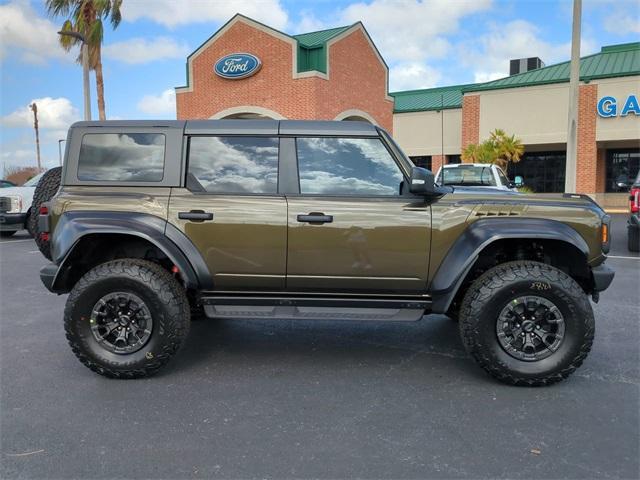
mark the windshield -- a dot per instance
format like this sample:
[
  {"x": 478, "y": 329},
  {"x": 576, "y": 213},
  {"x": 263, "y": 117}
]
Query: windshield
[
  {"x": 469, "y": 175},
  {"x": 33, "y": 182}
]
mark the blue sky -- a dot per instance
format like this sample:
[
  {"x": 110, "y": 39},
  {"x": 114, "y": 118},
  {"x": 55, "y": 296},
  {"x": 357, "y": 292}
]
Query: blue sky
[{"x": 426, "y": 43}]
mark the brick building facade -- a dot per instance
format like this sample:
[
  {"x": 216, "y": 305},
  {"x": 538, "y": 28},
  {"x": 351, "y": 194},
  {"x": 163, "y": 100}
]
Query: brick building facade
[{"x": 352, "y": 86}]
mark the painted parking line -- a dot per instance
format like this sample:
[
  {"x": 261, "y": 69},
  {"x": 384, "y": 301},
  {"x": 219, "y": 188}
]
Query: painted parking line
[{"x": 622, "y": 257}]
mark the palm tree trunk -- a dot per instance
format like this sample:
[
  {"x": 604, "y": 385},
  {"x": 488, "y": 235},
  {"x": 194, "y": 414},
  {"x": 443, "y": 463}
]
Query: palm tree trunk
[
  {"x": 34, "y": 109},
  {"x": 100, "y": 85}
]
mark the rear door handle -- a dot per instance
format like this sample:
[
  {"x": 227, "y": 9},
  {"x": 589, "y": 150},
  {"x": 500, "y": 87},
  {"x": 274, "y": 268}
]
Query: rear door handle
[
  {"x": 315, "y": 218},
  {"x": 195, "y": 215}
]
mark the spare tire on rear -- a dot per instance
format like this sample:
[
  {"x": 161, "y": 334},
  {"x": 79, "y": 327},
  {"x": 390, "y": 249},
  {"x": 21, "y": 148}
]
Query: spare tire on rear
[{"x": 46, "y": 189}]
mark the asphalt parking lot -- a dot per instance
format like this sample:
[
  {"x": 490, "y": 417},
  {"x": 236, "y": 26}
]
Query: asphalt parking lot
[{"x": 269, "y": 399}]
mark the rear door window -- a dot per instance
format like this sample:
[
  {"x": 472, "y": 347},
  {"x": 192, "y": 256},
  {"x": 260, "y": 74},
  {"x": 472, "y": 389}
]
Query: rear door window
[
  {"x": 122, "y": 157},
  {"x": 233, "y": 165}
]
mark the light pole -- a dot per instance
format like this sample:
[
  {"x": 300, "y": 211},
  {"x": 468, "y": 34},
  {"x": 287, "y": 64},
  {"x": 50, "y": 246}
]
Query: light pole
[
  {"x": 85, "y": 71},
  {"x": 571, "y": 180}
]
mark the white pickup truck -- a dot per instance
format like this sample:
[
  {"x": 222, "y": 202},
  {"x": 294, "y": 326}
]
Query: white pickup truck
[
  {"x": 477, "y": 175},
  {"x": 15, "y": 206}
]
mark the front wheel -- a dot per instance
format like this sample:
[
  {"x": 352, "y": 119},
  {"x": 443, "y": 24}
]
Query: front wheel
[
  {"x": 126, "y": 318},
  {"x": 527, "y": 323}
]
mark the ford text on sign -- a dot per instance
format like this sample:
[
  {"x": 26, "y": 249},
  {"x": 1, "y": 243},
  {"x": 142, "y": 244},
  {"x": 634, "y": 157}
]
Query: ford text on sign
[{"x": 237, "y": 65}]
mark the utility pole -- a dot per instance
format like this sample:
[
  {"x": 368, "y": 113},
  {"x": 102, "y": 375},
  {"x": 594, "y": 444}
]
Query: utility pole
[
  {"x": 574, "y": 85},
  {"x": 34, "y": 109}
]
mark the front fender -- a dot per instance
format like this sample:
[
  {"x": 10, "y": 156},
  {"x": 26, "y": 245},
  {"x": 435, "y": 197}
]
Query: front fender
[{"x": 466, "y": 249}]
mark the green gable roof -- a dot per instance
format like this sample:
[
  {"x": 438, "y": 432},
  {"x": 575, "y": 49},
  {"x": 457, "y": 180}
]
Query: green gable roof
[
  {"x": 612, "y": 61},
  {"x": 312, "y": 48},
  {"x": 317, "y": 39},
  {"x": 439, "y": 98}
]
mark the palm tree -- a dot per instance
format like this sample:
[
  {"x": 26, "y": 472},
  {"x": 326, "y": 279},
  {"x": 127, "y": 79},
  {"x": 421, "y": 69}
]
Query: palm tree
[
  {"x": 481, "y": 153},
  {"x": 508, "y": 148},
  {"x": 34, "y": 109},
  {"x": 85, "y": 17}
]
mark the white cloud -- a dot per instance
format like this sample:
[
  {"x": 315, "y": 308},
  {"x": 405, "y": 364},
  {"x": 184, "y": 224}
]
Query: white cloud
[
  {"x": 488, "y": 55},
  {"x": 412, "y": 75},
  {"x": 409, "y": 30},
  {"x": 145, "y": 50},
  {"x": 159, "y": 105},
  {"x": 53, "y": 113},
  {"x": 29, "y": 37},
  {"x": 172, "y": 13},
  {"x": 623, "y": 21},
  {"x": 481, "y": 77}
]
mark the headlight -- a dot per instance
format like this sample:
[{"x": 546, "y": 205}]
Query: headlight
[{"x": 16, "y": 204}]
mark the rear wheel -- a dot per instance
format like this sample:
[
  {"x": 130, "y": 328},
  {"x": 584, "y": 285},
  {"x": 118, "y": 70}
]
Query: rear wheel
[
  {"x": 126, "y": 318},
  {"x": 527, "y": 323},
  {"x": 46, "y": 189}
]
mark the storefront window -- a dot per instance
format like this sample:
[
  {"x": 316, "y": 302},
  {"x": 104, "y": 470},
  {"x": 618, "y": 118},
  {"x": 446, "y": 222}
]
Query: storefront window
[
  {"x": 622, "y": 169},
  {"x": 422, "y": 161},
  {"x": 543, "y": 172}
]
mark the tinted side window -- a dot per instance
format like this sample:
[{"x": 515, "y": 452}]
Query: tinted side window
[
  {"x": 122, "y": 157},
  {"x": 234, "y": 164},
  {"x": 347, "y": 166}
]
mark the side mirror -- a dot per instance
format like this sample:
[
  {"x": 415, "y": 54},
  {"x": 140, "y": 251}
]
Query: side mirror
[
  {"x": 518, "y": 181},
  {"x": 422, "y": 182}
]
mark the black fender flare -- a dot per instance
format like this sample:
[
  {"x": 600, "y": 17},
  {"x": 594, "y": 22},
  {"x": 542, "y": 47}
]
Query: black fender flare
[
  {"x": 73, "y": 226},
  {"x": 465, "y": 251}
]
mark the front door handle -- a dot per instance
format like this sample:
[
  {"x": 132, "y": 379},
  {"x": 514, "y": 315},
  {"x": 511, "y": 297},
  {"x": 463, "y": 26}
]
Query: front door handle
[
  {"x": 315, "y": 218},
  {"x": 195, "y": 215}
]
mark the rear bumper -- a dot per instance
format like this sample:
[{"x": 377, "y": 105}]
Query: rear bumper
[
  {"x": 12, "y": 221},
  {"x": 602, "y": 277}
]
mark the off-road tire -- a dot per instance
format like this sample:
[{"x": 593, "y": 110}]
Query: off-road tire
[
  {"x": 633, "y": 239},
  {"x": 163, "y": 295},
  {"x": 7, "y": 233},
  {"x": 196, "y": 308},
  {"x": 46, "y": 189},
  {"x": 491, "y": 292}
]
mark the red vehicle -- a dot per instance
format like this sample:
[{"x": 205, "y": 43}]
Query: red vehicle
[{"x": 633, "y": 224}]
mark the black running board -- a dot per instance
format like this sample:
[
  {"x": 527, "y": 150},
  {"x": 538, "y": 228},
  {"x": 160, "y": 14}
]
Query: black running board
[{"x": 315, "y": 308}]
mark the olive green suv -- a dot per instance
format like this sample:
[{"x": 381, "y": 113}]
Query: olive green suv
[{"x": 156, "y": 222}]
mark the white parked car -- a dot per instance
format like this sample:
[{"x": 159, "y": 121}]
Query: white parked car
[
  {"x": 15, "y": 206},
  {"x": 477, "y": 175}
]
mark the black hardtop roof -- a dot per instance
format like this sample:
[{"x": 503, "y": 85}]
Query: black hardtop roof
[{"x": 245, "y": 127}]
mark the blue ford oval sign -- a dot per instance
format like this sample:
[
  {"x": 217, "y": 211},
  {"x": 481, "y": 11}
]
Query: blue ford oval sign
[{"x": 237, "y": 65}]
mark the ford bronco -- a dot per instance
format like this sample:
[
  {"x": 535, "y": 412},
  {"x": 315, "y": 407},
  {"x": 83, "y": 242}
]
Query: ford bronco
[{"x": 158, "y": 221}]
